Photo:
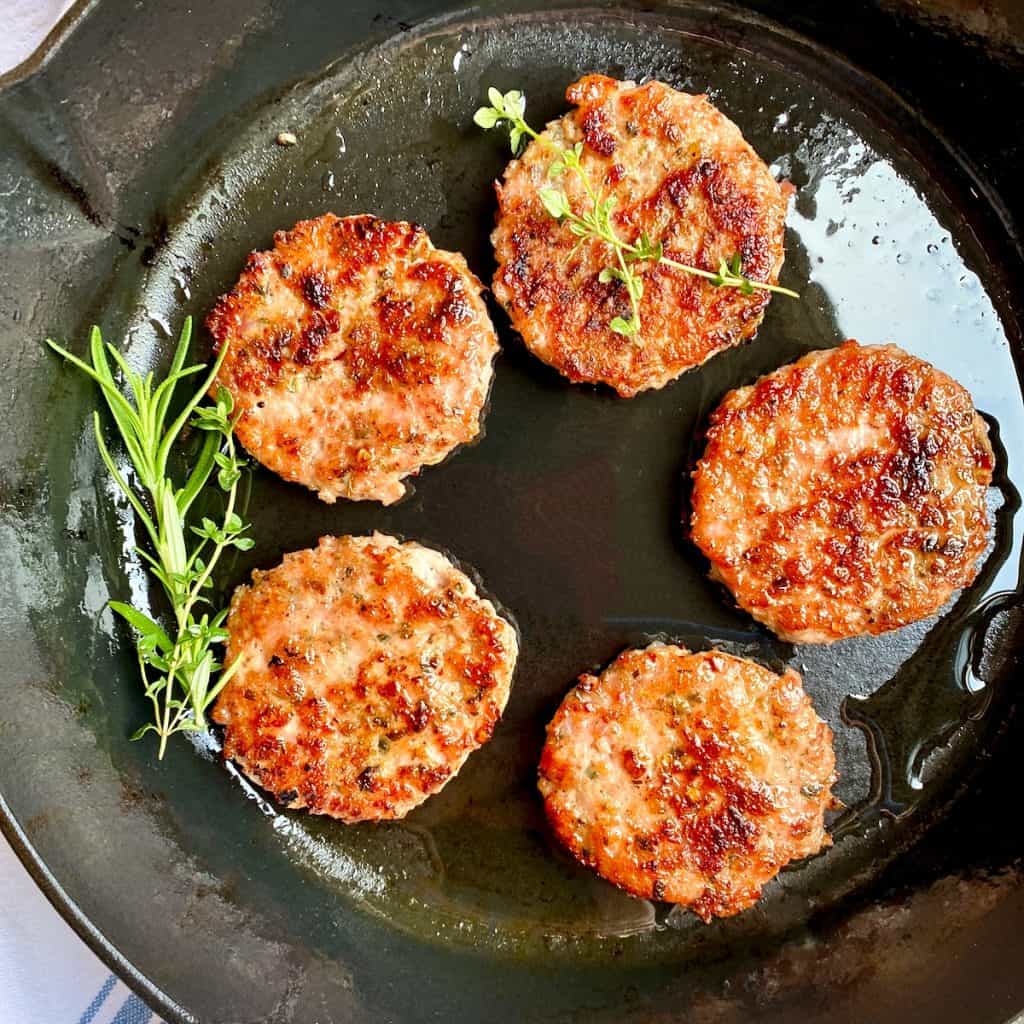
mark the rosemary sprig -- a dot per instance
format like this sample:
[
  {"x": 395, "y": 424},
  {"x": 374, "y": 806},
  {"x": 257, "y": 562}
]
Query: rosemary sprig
[
  {"x": 177, "y": 666},
  {"x": 595, "y": 222}
]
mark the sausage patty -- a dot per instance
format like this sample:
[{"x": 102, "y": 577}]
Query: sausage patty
[
  {"x": 691, "y": 778},
  {"x": 681, "y": 172},
  {"x": 357, "y": 353},
  {"x": 844, "y": 494},
  {"x": 368, "y": 671}
]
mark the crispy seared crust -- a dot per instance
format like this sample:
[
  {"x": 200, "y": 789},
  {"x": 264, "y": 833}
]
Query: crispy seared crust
[
  {"x": 369, "y": 671},
  {"x": 690, "y": 778},
  {"x": 844, "y": 494},
  {"x": 358, "y": 353},
  {"x": 682, "y": 172}
]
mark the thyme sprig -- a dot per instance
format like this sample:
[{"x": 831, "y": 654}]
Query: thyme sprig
[
  {"x": 594, "y": 221},
  {"x": 177, "y": 666}
]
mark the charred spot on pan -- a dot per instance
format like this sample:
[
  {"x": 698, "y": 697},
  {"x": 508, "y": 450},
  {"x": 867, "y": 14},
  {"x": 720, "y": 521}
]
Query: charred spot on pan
[{"x": 77, "y": 193}]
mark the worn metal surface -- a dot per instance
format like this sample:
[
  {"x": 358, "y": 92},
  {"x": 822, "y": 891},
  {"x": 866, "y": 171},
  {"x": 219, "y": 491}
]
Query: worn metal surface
[{"x": 134, "y": 177}]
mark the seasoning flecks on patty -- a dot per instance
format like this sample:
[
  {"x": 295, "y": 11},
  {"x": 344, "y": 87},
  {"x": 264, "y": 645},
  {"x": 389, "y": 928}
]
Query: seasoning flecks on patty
[
  {"x": 679, "y": 172},
  {"x": 368, "y": 671},
  {"x": 357, "y": 354},
  {"x": 689, "y": 778},
  {"x": 844, "y": 494}
]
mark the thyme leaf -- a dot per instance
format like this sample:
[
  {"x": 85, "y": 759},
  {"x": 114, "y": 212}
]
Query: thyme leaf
[{"x": 593, "y": 221}]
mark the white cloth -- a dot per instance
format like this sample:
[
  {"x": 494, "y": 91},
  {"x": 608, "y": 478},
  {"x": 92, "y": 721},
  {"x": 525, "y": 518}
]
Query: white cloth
[
  {"x": 47, "y": 974},
  {"x": 25, "y": 25}
]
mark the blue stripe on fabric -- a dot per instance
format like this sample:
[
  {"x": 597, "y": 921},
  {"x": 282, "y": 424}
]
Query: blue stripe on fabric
[
  {"x": 133, "y": 1011},
  {"x": 94, "y": 1007}
]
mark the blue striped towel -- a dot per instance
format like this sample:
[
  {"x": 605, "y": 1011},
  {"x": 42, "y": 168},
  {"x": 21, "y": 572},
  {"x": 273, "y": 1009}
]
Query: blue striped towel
[
  {"x": 115, "y": 1003},
  {"x": 47, "y": 974}
]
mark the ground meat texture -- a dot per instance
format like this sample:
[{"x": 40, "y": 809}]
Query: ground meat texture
[
  {"x": 689, "y": 778},
  {"x": 679, "y": 171},
  {"x": 844, "y": 494},
  {"x": 357, "y": 354},
  {"x": 368, "y": 672}
]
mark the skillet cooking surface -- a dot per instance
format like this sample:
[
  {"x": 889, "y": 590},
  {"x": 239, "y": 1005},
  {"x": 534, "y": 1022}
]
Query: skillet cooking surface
[{"x": 570, "y": 509}]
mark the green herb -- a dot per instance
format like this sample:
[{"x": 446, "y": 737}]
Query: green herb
[
  {"x": 177, "y": 666},
  {"x": 595, "y": 221}
]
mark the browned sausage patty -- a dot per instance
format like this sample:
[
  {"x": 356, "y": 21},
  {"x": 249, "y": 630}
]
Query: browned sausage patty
[
  {"x": 844, "y": 494},
  {"x": 357, "y": 354},
  {"x": 680, "y": 171},
  {"x": 691, "y": 778},
  {"x": 369, "y": 671}
]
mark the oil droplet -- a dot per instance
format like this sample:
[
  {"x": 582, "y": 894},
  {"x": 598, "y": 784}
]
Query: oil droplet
[
  {"x": 462, "y": 52},
  {"x": 327, "y": 181},
  {"x": 933, "y": 248},
  {"x": 182, "y": 282},
  {"x": 877, "y": 240},
  {"x": 162, "y": 327},
  {"x": 901, "y": 257}
]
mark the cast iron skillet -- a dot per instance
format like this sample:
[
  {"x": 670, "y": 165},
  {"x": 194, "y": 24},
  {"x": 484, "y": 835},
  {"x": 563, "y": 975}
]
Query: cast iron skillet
[{"x": 138, "y": 166}]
